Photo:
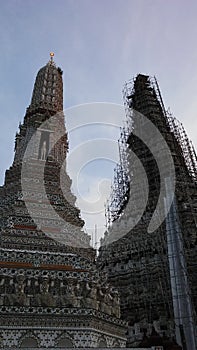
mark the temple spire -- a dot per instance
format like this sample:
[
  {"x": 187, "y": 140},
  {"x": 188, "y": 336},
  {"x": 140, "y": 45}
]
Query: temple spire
[{"x": 48, "y": 88}]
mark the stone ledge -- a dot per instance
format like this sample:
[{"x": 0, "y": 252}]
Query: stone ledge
[{"x": 41, "y": 311}]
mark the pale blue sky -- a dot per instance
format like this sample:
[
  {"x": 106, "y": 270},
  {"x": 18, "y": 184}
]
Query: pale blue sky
[{"x": 99, "y": 45}]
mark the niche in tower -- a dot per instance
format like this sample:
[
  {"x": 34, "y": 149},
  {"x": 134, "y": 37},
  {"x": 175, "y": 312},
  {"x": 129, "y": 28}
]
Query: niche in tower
[{"x": 44, "y": 145}]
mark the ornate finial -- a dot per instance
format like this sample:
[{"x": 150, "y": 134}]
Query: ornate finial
[{"x": 51, "y": 55}]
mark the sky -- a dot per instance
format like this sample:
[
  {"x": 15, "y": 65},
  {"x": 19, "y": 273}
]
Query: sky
[{"x": 99, "y": 45}]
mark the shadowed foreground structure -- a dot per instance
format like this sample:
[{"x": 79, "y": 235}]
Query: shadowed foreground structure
[{"x": 154, "y": 270}]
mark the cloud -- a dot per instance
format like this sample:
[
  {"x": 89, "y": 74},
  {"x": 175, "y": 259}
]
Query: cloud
[{"x": 93, "y": 130}]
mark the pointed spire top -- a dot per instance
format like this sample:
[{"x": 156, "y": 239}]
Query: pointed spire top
[
  {"x": 51, "y": 61},
  {"x": 48, "y": 87},
  {"x": 51, "y": 56}
]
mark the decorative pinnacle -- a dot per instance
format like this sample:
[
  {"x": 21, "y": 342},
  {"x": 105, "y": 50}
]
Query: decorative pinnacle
[{"x": 51, "y": 55}]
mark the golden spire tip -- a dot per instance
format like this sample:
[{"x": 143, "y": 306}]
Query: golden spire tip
[{"x": 52, "y": 55}]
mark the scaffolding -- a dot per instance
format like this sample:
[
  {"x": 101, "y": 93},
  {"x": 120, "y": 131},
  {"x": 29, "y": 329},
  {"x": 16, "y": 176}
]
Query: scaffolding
[
  {"x": 122, "y": 176},
  {"x": 185, "y": 144},
  {"x": 120, "y": 189},
  {"x": 150, "y": 254}
]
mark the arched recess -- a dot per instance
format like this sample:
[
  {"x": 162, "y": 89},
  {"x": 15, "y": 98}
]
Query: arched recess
[
  {"x": 65, "y": 343},
  {"x": 102, "y": 343},
  {"x": 116, "y": 344},
  {"x": 29, "y": 342}
]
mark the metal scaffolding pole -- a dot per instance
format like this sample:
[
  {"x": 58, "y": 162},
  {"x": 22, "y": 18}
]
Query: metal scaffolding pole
[{"x": 181, "y": 294}]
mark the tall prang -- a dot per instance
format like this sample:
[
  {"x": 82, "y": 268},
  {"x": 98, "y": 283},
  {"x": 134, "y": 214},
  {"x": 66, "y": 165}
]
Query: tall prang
[
  {"x": 32, "y": 190},
  {"x": 51, "y": 294},
  {"x": 153, "y": 269}
]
